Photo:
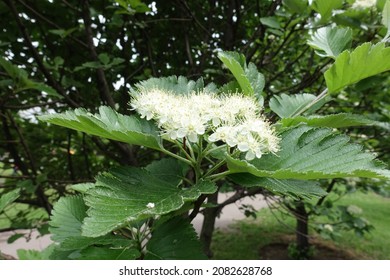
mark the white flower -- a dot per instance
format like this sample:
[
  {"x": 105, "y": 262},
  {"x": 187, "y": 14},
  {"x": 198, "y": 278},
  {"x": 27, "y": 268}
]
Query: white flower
[
  {"x": 328, "y": 227},
  {"x": 363, "y": 4},
  {"x": 150, "y": 205}
]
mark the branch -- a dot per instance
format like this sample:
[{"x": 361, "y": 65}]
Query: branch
[
  {"x": 50, "y": 80},
  {"x": 103, "y": 86},
  {"x": 45, "y": 19}
]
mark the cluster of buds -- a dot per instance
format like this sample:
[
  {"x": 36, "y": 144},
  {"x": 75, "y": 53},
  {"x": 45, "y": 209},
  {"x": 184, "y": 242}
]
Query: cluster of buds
[{"x": 233, "y": 119}]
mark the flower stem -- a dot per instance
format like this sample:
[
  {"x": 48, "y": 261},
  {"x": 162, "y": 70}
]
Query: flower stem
[
  {"x": 216, "y": 177},
  {"x": 189, "y": 162}
]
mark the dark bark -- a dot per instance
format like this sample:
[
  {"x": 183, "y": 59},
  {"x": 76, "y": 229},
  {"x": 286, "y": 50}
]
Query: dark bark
[
  {"x": 302, "y": 230},
  {"x": 206, "y": 234}
]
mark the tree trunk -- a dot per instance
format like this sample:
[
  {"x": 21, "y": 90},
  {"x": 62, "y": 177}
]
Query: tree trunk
[
  {"x": 302, "y": 230},
  {"x": 206, "y": 234}
]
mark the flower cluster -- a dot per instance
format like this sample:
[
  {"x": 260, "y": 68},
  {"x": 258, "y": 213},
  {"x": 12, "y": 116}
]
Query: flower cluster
[{"x": 232, "y": 119}]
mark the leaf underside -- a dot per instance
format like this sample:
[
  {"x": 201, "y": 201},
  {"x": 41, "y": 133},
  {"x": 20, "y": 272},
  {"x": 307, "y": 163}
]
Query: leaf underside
[
  {"x": 293, "y": 188},
  {"x": 334, "y": 121},
  {"x": 330, "y": 41},
  {"x": 287, "y": 105}
]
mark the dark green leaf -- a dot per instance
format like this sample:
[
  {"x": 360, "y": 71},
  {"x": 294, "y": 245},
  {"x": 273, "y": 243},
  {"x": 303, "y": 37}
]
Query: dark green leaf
[
  {"x": 174, "y": 240},
  {"x": 325, "y": 8}
]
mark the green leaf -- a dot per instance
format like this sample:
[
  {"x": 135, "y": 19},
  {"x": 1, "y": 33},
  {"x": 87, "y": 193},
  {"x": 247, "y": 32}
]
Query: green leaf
[
  {"x": 109, "y": 124},
  {"x": 7, "y": 198},
  {"x": 386, "y": 19},
  {"x": 107, "y": 253},
  {"x": 334, "y": 121},
  {"x": 34, "y": 254},
  {"x": 325, "y": 8},
  {"x": 288, "y": 105},
  {"x": 313, "y": 153},
  {"x": 128, "y": 194},
  {"x": 296, "y": 6},
  {"x": 168, "y": 169},
  {"x": 21, "y": 80},
  {"x": 83, "y": 187},
  {"x": 294, "y": 188},
  {"x": 174, "y": 240},
  {"x": 178, "y": 85},
  {"x": 248, "y": 77},
  {"x": 14, "y": 237},
  {"x": 67, "y": 216},
  {"x": 331, "y": 41},
  {"x": 350, "y": 67},
  {"x": 270, "y": 22}
]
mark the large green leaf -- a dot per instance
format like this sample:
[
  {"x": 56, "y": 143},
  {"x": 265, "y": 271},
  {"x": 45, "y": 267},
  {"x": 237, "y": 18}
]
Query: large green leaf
[
  {"x": 313, "y": 153},
  {"x": 7, "y": 198},
  {"x": 293, "y": 188},
  {"x": 288, "y": 105},
  {"x": 251, "y": 81},
  {"x": 350, "y": 67},
  {"x": 325, "y": 7},
  {"x": 175, "y": 239},
  {"x": 334, "y": 121},
  {"x": 331, "y": 41},
  {"x": 129, "y": 194},
  {"x": 109, "y": 124},
  {"x": 67, "y": 216}
]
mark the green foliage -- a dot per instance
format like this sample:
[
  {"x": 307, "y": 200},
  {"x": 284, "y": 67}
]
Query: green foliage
[
  {"x": 325, "y": 8},
  {"x": 169, "y": 239},
  {"x": 109, "y": 124},
  {"x": 251, "y": 81},
  {"x": 21, "y": 82},
  {"x": 331, "y": 41},
  {"x": 386, "y": 19},
  {"x": 296, "y": 6},
  {"x": 117, "y": 200},
  {"x": 312, "y": 153},
  {"x": 350, "y": 67},
  {"x": 7, "y": 198}
]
